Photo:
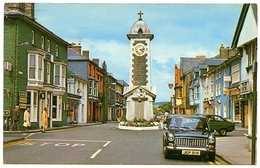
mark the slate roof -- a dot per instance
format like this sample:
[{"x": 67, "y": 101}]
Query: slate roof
[
  {"x": 187, "y": 63},
  {"x": 214, "y": 62},
  {"x": 122, "y": 83},
  {"x": 73, "y": 55}
]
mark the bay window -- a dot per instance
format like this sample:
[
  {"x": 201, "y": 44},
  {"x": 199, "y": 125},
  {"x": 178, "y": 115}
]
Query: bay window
[
  {"x": 59, "y": 75},
  {"x": 35, "y": 67}
]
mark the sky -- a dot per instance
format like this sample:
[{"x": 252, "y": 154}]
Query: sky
[{"x": 180, "y": 30}]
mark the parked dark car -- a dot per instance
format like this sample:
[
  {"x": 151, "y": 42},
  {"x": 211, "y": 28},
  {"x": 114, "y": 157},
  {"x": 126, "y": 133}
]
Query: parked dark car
[
  {"x": 188, "y": 135},
  {"x": 218, "y": 123}
]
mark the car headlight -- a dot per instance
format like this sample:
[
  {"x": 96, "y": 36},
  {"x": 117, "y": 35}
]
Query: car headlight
[
  {"x": 211, "y": 139},
  {"x": 170, "y": 137}
]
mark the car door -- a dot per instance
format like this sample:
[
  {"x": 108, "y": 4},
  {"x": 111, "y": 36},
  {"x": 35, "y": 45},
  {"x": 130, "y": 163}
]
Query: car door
[{"x": 213, "y": 123}]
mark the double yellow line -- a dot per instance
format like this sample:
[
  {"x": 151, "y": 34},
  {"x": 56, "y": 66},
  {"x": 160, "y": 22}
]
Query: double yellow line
[{"x": 9, "y": 144}]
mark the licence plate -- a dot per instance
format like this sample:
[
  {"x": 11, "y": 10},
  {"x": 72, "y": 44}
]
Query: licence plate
[{"x": 190, "y": 152}]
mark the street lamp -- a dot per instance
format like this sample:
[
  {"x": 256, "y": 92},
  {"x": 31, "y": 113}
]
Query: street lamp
[
  {"x": 24, "y": 43},
  {"x": 114, "y": 99}
]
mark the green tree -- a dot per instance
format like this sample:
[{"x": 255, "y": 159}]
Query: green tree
[{"x": 165, "y": 107}]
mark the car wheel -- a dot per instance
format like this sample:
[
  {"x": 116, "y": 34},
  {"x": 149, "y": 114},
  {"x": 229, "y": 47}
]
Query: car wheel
[
  {"x": 166, "y": 153},
  {"x": 212, "y": 157},
  {"x": 222, "y": 132}
]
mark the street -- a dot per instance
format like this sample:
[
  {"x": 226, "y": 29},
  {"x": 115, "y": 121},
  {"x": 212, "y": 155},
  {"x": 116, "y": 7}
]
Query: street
[{"x": 94, "y": 145}]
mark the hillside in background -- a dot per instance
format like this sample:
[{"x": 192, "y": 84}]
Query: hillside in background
[{"x": 159, "y": 103}]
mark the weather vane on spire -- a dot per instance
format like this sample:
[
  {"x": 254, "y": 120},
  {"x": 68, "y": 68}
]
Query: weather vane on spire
[{"x": 140, "y": 13}]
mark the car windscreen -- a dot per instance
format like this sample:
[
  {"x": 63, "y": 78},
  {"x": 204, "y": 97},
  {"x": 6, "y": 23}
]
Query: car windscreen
[{"x": 186, "y": 123}]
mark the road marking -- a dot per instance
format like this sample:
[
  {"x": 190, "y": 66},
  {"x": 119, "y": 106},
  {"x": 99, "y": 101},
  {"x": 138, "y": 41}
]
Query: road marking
[
  {"x": 8, "y": 144},
  {"x": 95, "y": 154},
  {"x": 68, "y": 140},
  {"x": 106, "y": 144},
  {"x": 211, "y": 163},
  {"x": 218, "y": 163}
]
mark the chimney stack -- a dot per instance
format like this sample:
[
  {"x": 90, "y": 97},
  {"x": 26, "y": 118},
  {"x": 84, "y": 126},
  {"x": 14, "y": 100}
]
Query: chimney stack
[
  {"x": 96, "y": 61},
  {"x": 76, "y": 47},
  {"x": 85, "y": 54}
]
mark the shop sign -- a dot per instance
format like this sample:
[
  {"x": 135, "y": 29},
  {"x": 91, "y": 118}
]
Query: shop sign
[
  {"x": 22, "y": 94},
  {"x": 6, "y": 113},
  {"x": 227, "y": 78},
  {"x": 70, "y": 81},
  {"x": 225, "y": 91},
  {"x": 22, "y": 106},
  {"x": 23, "y": 100}
]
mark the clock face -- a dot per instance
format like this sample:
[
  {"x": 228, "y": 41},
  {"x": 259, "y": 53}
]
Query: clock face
[{"x": 139, "y": 49}]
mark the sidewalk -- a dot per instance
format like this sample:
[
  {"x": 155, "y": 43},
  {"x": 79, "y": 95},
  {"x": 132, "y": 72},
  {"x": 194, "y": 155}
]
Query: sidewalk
[{"x": 234, "y": 150}]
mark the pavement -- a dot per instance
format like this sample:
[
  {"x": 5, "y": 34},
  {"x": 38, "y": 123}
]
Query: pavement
[{"x": 232, "y": 149}]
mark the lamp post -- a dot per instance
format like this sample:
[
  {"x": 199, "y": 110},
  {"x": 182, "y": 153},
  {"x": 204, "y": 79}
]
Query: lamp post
[
  {"x": 254, "y": 75},
  {"x": 170, "y": 85},
  {"x": 114, "y": 100}
]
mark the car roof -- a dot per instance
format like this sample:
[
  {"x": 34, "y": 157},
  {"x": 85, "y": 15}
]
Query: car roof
[{"x": 186, "y": 115}]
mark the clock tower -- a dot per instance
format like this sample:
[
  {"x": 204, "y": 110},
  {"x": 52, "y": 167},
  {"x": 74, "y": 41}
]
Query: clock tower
[{"x": 140, "y": 95}]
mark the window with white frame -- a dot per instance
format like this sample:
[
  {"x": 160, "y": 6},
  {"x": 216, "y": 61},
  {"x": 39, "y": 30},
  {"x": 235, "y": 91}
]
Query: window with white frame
[
  {"x": 32, "y": 100},
  {"x": 40, "y": 68},
  {"x": 196, "y": 90},
  {"x": 76, "y": 86},
  {"x": 217, "y": 74},
  {"x": 224, "y": 82},
  {"x": 251, "y": 50},
  {"x": 192, "y": 94},
  {"x": 48, "y": 72},
  {"x": 57, "y": 51},
  {"x": 225, "y": 110},
  {"x": 206, "y": 92},
  {"x": 48, "y": 46},
  {"x": 83, "y": 89},
  {"x": 95, "y": 89},
  {"x": 32, "y": 37},
  {"x": 235, "y": 73},
  {"x": 244, "y": 87},
  {"x": 63, "y": 77},
  {"x": 180, "y": 92},
  {"x": 59, "y": 75},
  {"x": 42, "y": 42},
  {"x": 35, "y": 67},
  {"x": 56, "y": 108},
  {"x": 211, "y": 90},
  {"x": 218, "y": 89},
  {"x": 91, "y": 87}
]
